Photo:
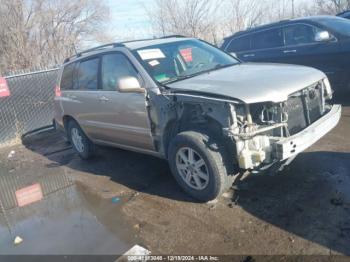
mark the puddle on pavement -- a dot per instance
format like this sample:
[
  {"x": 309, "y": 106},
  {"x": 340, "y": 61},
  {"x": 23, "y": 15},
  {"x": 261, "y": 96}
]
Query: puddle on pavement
[{"x": 69, "y": 221}]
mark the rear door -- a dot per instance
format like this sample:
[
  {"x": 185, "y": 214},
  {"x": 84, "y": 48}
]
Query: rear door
[
  {"x": 262, "y": 46},
  {"x": 266, "y": 46},
  {"x": 80, "y": 100},
  {"x": 122, "y": 117}
]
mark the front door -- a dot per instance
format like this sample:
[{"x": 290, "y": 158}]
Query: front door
[
  {"x": 122, "y": 117},
  {"x": 301, "y": 48}
]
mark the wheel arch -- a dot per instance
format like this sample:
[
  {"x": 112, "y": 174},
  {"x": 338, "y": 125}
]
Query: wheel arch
[
  {"x": 211, "y": 127},
  {"x": 206, "y": 119},
  {"x": 66, "y": 119}
]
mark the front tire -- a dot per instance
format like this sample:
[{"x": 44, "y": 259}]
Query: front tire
[
  {"x": 80, "y": 142},
  {"x": 197, "y": 165}
]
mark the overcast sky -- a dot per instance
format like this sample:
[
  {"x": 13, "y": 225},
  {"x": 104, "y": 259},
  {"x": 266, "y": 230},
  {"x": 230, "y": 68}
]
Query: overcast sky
[{"x": 129, "y": 18}]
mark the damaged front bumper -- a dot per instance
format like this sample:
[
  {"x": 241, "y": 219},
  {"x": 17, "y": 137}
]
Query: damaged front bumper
[
  {"x": 293, "y": 145},
  {"x": 263, "y": 150}
]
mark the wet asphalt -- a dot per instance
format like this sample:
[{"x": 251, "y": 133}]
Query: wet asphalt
[
  {"x": 69, "y": 221},
  {"x": 122, "y": 198}
]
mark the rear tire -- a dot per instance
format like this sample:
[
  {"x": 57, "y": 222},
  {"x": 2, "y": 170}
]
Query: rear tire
[
  {"x": 198, "y": 165},
  {"x": 80, "y": 142}
]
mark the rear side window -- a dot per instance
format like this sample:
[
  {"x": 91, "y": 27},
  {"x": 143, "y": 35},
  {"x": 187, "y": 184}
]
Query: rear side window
[
  {"x": 67, "y": 77},
  {"x": 87, "y": 74},
  {"x": 239, "y": 44},
  {"x": 115, "y": 67},
  {"x": 268, "y": 39}
]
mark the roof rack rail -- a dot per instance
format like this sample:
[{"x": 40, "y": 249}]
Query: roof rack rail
[
  {"x": 169, "y": 36},
  {"x": 153, "y": 38},
  {"x": 138, "y": 40},
  {"x": 94, "y": 49},
  {"x": 121, "y": 44}
]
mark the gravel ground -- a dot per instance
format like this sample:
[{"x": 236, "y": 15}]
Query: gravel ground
[{"x": 304, "y": 210}]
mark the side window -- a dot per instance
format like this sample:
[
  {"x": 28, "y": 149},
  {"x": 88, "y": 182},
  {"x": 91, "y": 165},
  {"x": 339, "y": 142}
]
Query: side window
[
  {"x": 114, "y": 67},
  {"x": 87, "y": 74},
  {"x": 299, "y": 34},
  {"x": 67, "y": 77},
  {"x": 268, "y": 39},
  {"x": 239, "y": 44}
]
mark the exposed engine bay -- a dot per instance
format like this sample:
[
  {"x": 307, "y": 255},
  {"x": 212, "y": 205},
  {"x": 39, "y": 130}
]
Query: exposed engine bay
[
  {"x": 258, "y": 127},
  {"x": 253, "y": 129}
]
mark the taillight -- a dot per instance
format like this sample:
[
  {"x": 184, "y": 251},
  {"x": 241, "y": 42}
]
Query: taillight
[
  {"x": 57, "y": 91},
  {"x": 4, "y": 89}
]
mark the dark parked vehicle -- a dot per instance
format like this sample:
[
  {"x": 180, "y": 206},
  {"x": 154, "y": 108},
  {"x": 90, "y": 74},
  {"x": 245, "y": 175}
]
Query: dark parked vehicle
[
  {"x": 345, "y": 14},
  {"x": 322, "y": 42}
]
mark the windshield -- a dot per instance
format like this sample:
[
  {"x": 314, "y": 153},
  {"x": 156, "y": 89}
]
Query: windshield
[
  {"x": 174, "y": 61},
  {"x": 340, "y": 25}
]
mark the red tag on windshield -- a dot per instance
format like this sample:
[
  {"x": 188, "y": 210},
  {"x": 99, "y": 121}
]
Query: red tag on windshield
[
  {"x": 4, "y": 89},
  {"x": 186, "y": 54}
]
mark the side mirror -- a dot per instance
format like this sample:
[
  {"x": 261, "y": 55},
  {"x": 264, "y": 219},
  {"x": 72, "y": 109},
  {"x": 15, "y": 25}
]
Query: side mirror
[
  {"x": 322, "y": 36},
  {"x": 130, "y": 85}
]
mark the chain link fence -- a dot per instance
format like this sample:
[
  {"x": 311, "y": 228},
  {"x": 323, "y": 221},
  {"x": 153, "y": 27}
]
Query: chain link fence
[
  {"x": 29, "y": 105},
  {"x": 9, "y": 184}
]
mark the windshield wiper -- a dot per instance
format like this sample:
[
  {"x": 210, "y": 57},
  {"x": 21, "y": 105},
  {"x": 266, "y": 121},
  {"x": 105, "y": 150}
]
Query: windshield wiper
[{"x": 179, "y": 78}]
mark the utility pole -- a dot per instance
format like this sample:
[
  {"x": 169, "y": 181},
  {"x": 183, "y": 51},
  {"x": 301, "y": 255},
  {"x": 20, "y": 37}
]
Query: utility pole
[{"x": 293, "y": 9}]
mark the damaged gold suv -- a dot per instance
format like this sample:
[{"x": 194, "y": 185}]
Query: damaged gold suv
[{"x": 181, "y": 99}]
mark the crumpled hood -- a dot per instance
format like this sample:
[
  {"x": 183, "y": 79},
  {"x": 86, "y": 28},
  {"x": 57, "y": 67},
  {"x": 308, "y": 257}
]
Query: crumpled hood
[{"x": 252, "y": 82}]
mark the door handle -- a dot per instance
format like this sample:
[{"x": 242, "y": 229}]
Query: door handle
[
  {"x": 103, "y": 99},
  {"x": 249, "y": 55},
  {"x": 289, "y": 51}
]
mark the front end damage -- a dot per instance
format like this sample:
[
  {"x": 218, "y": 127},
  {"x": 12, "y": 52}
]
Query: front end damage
[
  {"x": 268, "y": 133},
  {"x": 260, "y": 134}
]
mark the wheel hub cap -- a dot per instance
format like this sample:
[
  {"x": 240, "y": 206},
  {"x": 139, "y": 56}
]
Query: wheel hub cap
[
  {"x": 77, "y": 140},
  {"x": 192, "y": 168}
]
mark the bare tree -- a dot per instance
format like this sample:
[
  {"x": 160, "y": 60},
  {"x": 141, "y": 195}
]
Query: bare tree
[
  {"x": 188, "y": 17},
  {"x": 332, "y": 7},
  {"x": 212, "y": 20},
  {"x": 40, "y": 33},
  {"x": 242, "y": 14},
  {"x": 282, "y": 9}
]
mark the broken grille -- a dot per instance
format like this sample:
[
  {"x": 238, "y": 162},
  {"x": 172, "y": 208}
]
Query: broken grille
[{"x": 304, "y": 108}]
